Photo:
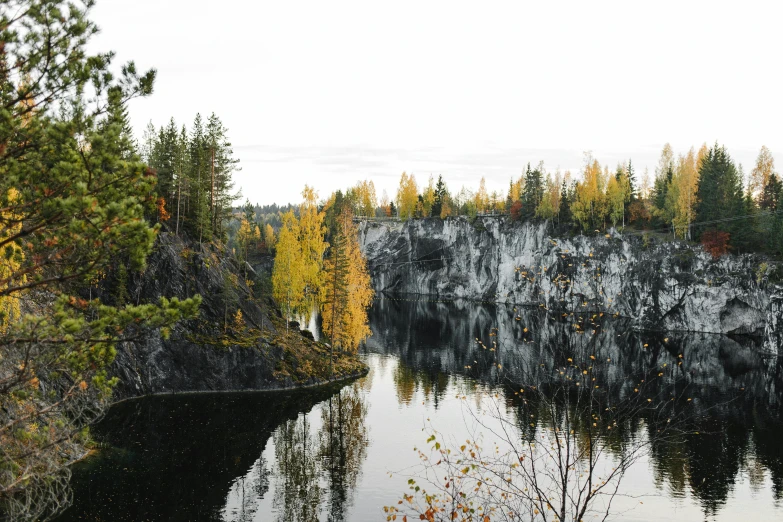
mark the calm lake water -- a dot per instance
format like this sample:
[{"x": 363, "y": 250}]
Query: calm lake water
[{"x": 341, "y": 453}]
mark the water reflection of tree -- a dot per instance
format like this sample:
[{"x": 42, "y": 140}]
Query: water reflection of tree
[
  {"x": 343, "y": 446},
  {"x": 407, "y": 381},
  {"x": 333, "y": 457},
  {"x": 297, "y": 499},
  {"x": 247, "y": 490},
  {"x": 736, "y": 391}
]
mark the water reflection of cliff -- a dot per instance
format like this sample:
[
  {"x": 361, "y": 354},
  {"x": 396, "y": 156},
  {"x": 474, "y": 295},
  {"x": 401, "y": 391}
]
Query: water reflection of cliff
[{"x": 736, "y": 387}]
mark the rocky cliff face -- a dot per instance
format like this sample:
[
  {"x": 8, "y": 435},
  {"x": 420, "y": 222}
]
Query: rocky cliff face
[
  {"x": 655, "y": 284},
  {"x": 215, "y": 351}
]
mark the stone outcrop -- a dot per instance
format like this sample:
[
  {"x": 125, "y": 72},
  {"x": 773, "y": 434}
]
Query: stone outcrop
[
  {"x": 656, "y": 284},
  {"x": 209, "y": 353}
]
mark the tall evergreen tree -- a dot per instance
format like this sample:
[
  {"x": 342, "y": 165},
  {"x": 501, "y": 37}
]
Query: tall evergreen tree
[
  {"x": 533, "y": 191},
  {"x": 199, "y": 175},
  {"x": 163, "y": 158},
  {"x": 117, "y": 124},
  {"x": 222, "y": 165},
  {"x": 566, "y": 198},
  {"x": 440, "y": 196},
  {"x": 632, "y": 182},
  {"x": 769, "y": 199},
  {"x": 720, "y": 194}
]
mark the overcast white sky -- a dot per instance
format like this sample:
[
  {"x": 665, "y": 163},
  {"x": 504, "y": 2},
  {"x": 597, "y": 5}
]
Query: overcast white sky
[{"x": 330, "y": 92}]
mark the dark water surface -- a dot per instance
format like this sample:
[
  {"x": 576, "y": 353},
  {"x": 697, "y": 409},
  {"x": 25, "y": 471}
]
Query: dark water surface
[{"x": 327, "y": 454}]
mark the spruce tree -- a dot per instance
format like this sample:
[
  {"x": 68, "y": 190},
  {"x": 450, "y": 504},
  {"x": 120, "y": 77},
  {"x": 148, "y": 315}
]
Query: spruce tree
[
  {"x": 221, "y": 166},
  {"x": 631, "y": 182},
  {"x": 163, "y": 160},
  {"x": 566, "y": 198},
  {"x": 440, "y": 195},
  {"x": 720, "y": 195},
  {"x": 200, "y": 181},
  {"x": 770, "y": 194},
  {"x": 533, "y": 191}
]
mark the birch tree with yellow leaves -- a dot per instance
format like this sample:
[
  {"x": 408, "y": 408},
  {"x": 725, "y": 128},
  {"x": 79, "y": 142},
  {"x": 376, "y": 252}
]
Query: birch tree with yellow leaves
[
  {"x": 685, "y": 186},
  {"x": 481, "y": 199},
  {"x": 589, "y": 206},
  {"x": 312, "y": 231},
  {"x": 407, "y": 196},
  {"x": 270, "y": 240},
  {"x": 288, "y": 279}
]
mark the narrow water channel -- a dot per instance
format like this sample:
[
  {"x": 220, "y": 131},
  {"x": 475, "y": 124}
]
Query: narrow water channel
[{"x": 343, "y": 452}]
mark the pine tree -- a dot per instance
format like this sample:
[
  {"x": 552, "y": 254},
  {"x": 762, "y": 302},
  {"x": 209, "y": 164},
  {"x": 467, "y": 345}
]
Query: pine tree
[{"x": 73, "y": 200}]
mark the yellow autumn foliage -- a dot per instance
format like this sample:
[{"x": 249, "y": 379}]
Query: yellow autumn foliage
[
  {"x": 312, "y": 245},
  {"x": 269, "y": 237},
  {"x": 11, "y": 257},
  {"x": 407, "y": 196},
  {"x": 288, "y": 272},
  {"x": 347, "y": 292}
]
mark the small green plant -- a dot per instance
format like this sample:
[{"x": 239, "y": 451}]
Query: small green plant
[{"x": 761, "y": 272}]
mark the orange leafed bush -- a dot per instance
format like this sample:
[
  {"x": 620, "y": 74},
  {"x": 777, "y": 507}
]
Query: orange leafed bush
[
  {"x": 516, "y": 210},
  {"x": 163, "y": 214},
  {"x": 715, "y": 242},
  {"x": 637, "y": 211}
]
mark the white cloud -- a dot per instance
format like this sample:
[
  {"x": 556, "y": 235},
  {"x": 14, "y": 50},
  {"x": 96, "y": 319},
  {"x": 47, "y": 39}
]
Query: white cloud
[{"x": 330, "y": 92}]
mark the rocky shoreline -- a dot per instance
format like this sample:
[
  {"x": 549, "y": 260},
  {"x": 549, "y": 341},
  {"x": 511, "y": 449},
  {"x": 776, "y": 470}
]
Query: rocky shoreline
[{"x": 216, "y": 352}]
